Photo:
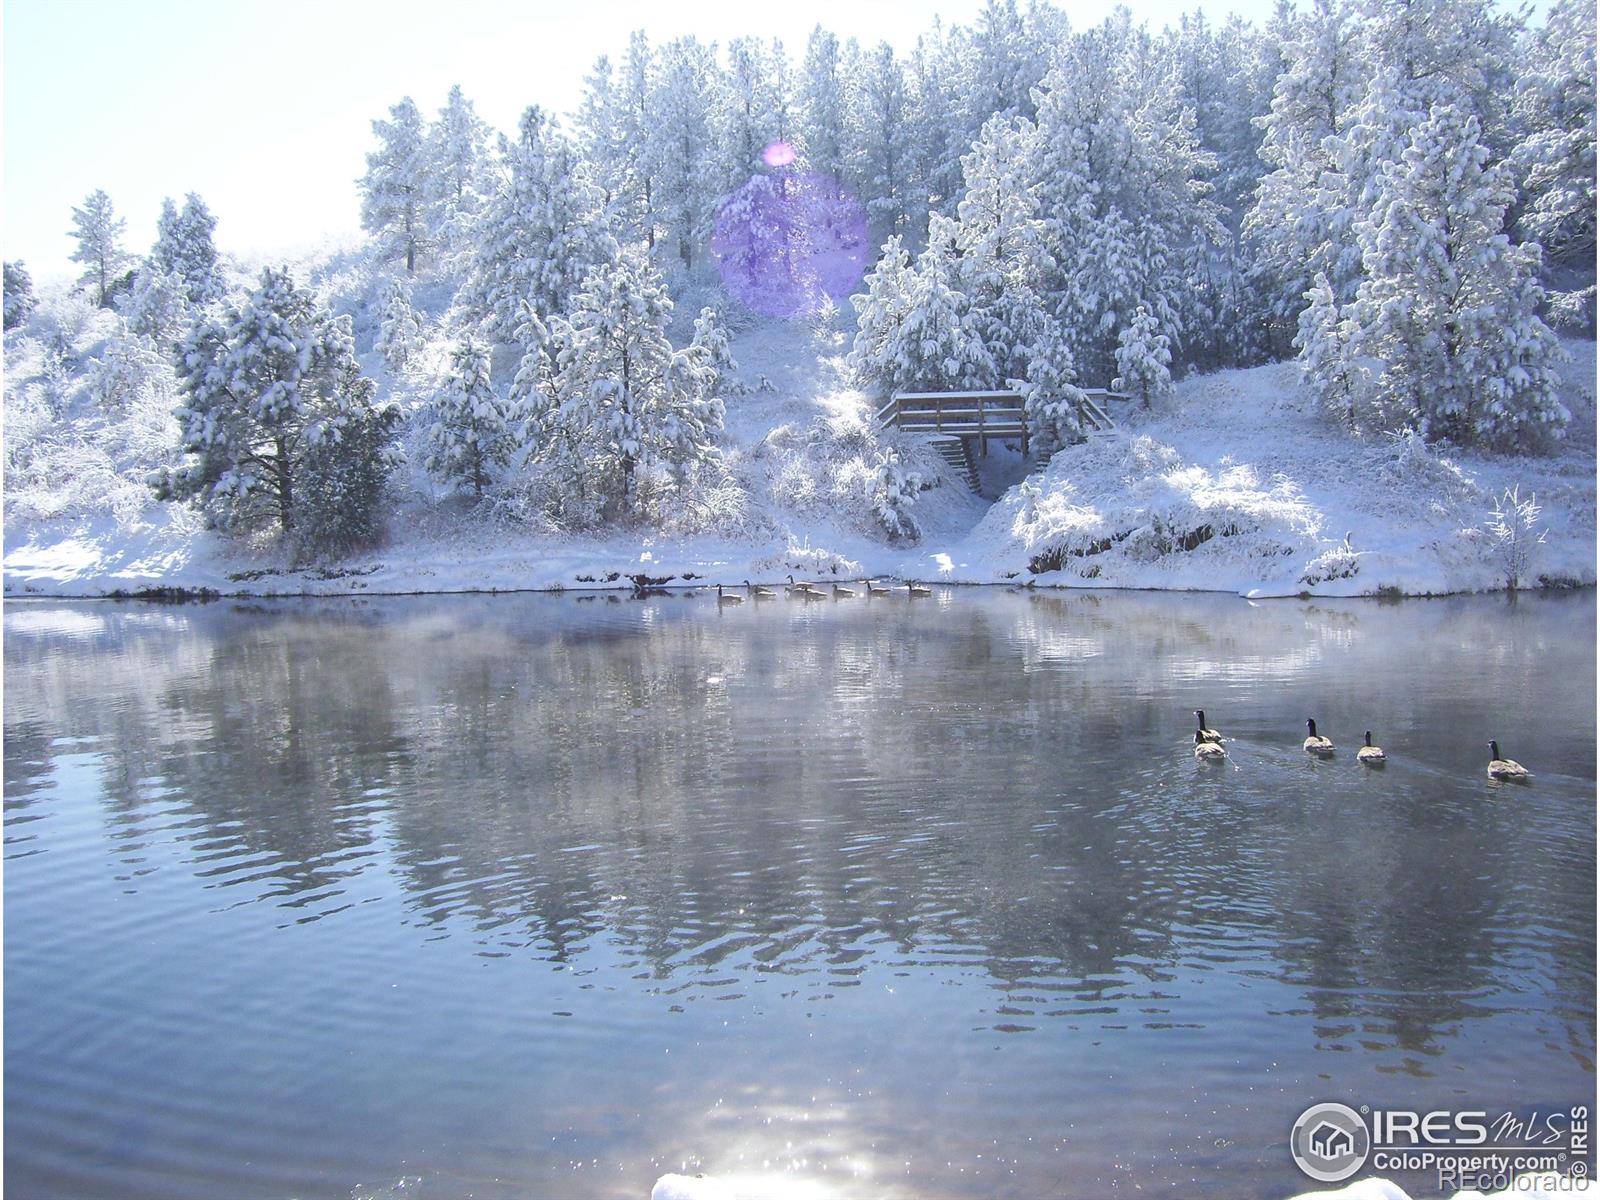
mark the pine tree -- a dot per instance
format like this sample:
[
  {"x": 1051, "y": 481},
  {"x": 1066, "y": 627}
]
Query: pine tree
[
  {"x": 892, "y": 492},
  {"x": 822, "y": 117},
  {"x": 940, "y": 348},
  {"x": 626, "y": 405},
  {"x": 471, "y": 436},
  {"x": 682, "y": 145},
  {"x": 712, "y": 356},
  {"x": 880, "y": 137},
  {"x": 1143, "y": 355},
  {"x": 157, "y": 305},
  {"x": 19, "y": 300},
  {"x": 279, "y": 422},
  {"x": 1448, "y": 305},
  {"x": 400, "y": 329},
  {"x": 1052, "y": 402},
  {"x": 542, "y": 234},
  {"x": 1328, "y": 364},
  {"x": 881, "y": 313},
  {"x": 396, "y": 196},
  {"x": 99, "y": 232},
  {"x": 458, "y": 174}
]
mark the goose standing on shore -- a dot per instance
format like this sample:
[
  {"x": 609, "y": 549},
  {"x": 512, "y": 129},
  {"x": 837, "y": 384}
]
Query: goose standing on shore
[
  {"x": 1315, "y": 743},
  {"x": 1506, "y": 768},
  {"x": 1207, "y": 751},
  {"x": 1370, "y": 755},
  {"x": 1202, "y": 734}
]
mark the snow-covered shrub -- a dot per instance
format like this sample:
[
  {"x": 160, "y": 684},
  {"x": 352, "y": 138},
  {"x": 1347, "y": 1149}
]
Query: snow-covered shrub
[
  {"x": 128, "y": 366},
  {"x": 1337, "y": 562},
  {"x": 893, "y": 495},
  {"x": 1513, "y": 529},
  {"x": 1143, "y": 356},
  {"x": 808, "y": 562}
]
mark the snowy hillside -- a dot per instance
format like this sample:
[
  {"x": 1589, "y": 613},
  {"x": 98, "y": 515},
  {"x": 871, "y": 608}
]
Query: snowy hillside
[{"x": 1236, "y": 482}]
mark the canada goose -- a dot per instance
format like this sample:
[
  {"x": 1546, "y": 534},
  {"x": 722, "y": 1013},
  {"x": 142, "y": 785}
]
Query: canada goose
[
  {"x": 916, "y": 589},
  {"x": 731, "y": 599},
  {"x": 1506, "y": 768},
  {"x": 1203, "y": 734},
  {"x": 842, "y": 593},
  {"x": 1207, "y": 752},
  {"x": 803, "y": 589},
  {"x": 1316, "y": 743},
  {"x": 874, "y": 590},
  {"x": 1370, "y": 755},
  {"x": 758, "y": 592}
]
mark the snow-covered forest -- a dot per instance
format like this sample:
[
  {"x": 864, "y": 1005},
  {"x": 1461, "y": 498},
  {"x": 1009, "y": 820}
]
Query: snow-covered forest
[{"x": 1342, "y": 263}]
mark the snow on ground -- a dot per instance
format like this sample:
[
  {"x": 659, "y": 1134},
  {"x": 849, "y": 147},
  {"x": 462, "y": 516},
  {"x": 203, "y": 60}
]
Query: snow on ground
[{"x": 1234, "y": 483}]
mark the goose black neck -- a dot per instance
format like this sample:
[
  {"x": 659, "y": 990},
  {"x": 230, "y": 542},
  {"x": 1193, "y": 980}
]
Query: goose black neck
[
  {"x": 1200, "y": 717},
  {"x": 1494, "y": 749},
  {"x": 1312, "y": 726}
]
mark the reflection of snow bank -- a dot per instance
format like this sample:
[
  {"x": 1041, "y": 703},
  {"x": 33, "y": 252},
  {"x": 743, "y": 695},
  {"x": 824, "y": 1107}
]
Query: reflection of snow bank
[{"x": 1524, "y": 1187}]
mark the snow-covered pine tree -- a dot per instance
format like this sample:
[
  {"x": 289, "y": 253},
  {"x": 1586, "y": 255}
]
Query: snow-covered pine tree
[
  {"x": 1143, "y": 356},
  {"x": 471, "y": 436},
  {"x": 544, "y": 231},
  {"x": 1449, "y": 305},
  {"x": 157, "y": 305},
  {"x": 616, "y": 130},
  {"x": 278, "y": 422},
  {"x": 1554, "y": 114},
  {"x": 880, "y": 139},
  {"x": 821, "y": 119},
  {"x": 98, "y": 231},
  {"x": 1052, "y": 401},
  {"x": 626, "y": 404},
  {"x": 18, "y": 290},
  {"x": 190, "y": 252},
  {"x": 939, "y": 347},
  {"x": 684, "y": 103},
  {"x": 712, "y": 355},
  {"x": 881, "y": 313},
  {"x": 396, "y": 193},
  {"x": 755, "y": 109},
  {"x": 1002, "y": 246},
  {"x": 458, "y": 174},
  {"x": 399, "y": 329},
  {"x": 1328, "y": 364}
]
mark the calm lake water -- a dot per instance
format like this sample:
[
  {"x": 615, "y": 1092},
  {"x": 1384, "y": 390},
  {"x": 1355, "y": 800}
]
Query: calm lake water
[{"x": 543, "y": 896}]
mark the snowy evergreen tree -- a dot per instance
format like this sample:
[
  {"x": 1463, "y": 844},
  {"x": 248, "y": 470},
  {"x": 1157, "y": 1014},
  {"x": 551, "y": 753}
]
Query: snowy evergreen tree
[
  {"x": 1052, "y": 402},
  {"x": 881, "y": 313},
  {"x": 939, "y": 346},
  {"x": 458, "y": 175},
  {"x": 19, "y": 299},
  {"x": 617, "y": 130},
  {"x": 756, "y": 111},
  {"x": 471, "y": 436},
  {"x": 399, "y": 329},
  {"x": 681, "y": 140},
  {"x": 880, "y": 140},
  {"x": 712, "y": 356},
  {"x": 543, "y": 233},
  {"x": 98, "y": 231},
  {"x": 1448, "y": 304},
  {"x": 1143, "y": 356},
  {"x": 185, "y": 251},
  {"x": 1328, "y": 363},
  {"x": 626, "y": 405},
  {"x": 157, "y": 305},
  {"x": 397, "y": 205},
  {"x": 1554, "y": 158},
  {"x": 822, "y": 104},
  {"x": 279, "y": 422}
]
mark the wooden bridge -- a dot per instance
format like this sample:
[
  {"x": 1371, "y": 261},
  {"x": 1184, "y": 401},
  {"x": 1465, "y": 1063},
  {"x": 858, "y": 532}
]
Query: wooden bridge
[{"x": 955, "y": 420}]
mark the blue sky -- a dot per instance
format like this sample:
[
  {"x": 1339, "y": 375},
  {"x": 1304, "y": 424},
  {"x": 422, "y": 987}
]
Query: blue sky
[{"x": 264, "y": 107}]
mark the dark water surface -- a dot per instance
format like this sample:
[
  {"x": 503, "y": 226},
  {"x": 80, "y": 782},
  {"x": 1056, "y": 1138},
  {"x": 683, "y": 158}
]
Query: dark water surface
[{"x": 534, "y": 896}]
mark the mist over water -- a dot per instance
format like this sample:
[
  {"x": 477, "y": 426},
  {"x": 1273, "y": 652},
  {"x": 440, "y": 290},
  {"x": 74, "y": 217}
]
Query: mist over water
[{"x": 538, "y": 895}]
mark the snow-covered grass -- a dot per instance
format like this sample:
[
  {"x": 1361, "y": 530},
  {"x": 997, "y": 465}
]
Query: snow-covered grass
[{"x": 1234, "y": 482}]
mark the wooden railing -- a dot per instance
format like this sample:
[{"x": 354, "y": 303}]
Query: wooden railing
[{"x": 981, "y": 415}]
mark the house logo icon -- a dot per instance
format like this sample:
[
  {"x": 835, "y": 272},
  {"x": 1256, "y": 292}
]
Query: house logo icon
[{"x": 1330, "y": 1142}]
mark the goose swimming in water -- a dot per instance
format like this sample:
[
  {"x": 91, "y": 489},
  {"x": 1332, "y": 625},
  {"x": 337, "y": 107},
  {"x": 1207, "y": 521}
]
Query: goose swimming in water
[
  {"x": 1506, "y": 768},
  {"x": 916, "y": 589},
  {"x": 1315, "y": 743},
  {"x": 1203, "y": 734},
  {"x": 757, "y": 592},
  {"x": 730, "y": 599},
  {"x": 1370, "y": 755}
]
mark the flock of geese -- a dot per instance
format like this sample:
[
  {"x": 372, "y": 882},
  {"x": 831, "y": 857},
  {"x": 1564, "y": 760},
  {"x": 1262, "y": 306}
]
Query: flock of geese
[
  {"x": 1208, "y": 748},
  {"x": 806, "y": 590}
]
